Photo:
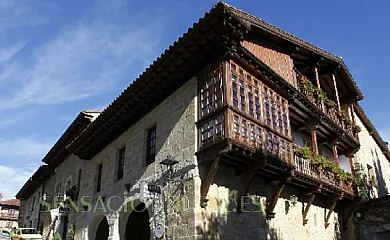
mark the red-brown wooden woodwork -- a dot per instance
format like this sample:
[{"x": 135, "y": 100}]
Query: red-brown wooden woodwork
[{"x": 280, "y": 62}]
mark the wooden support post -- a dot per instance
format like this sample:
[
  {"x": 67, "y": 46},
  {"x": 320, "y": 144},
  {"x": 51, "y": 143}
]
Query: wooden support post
[
  {"x": 336, "y": 92},
  {"x": 350, "y": 158},
  {"x": 334, "y": 202},
  {"x": 317, "y": 77},
  {"x": 271, "y": 205},
  {"x": 209, "y": 179},
  {"x": 308, "y": 204},
  {"x": 335, "y": 155},
  {"x": 314, "y": 141}
]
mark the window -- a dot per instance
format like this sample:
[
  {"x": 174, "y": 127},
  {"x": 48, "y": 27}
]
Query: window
[
  {"x": 99, "y": 178},
  {"x": 58, "y": 190},
  {"x": 33, "y": 203},
  {"x": 121, "y": 163},
  {"x": 11, "y": 211},
  {"x": 78, "y": 184},
  {"x": 9, "y": 224},
  {"x": 371, "y": 176},
  {"x": 151, "y": 146}
]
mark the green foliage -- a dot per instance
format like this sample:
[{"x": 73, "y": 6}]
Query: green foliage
[
  {"x": 57, "y": 236},
  {"x": 304, "y": 152},
  {"x": 357, "y": 129},
  {"x": 346, "y": 119},
  {"x": 331, "y": 103},
  {"x": 309, "y": 87},
  {"x": 323, "y": 163}
]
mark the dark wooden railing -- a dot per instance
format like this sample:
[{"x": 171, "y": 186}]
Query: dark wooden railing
[{"x": 304, "y": 167}]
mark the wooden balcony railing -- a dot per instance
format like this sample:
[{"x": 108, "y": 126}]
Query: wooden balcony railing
[
  {"x": 6, "y": 216},
  {"x": 304, "y": 167},
  {"x": 331, "y": 111}
]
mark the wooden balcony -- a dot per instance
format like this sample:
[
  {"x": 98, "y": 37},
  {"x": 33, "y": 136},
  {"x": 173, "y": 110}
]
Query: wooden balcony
[
  {"x": 240, "y": 116},
  {"x": 9, "y": 217},
  {"x": 305, "y": 169},
  {"x": 331, "y": 111},
  {"x": 246, "y": 136}
]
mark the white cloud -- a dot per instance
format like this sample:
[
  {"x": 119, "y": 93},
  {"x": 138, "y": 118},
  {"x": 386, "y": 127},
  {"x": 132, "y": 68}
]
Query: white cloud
[
  {"x": 12, "y": 179},
  {"x": 8, "y": 52},
  {"x": 23, "y": 149},
  {"x": 18, "y": 13},
  {"x": 83, "y": 60}
]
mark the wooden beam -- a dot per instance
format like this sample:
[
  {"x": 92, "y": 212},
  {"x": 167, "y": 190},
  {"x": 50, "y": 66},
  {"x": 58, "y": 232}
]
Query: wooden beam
[
  {"x": 312, "y": 193},
  {"x": 271, "y": 205},
  {"x": 209, "y": 179},
  {"x": 308, "y": 204},
  {"x": 255, "y": 167},
  {"x": 311, "y": 124},
  {"x": 336, "y": 92},
  {"x": 334, "y": 202}
]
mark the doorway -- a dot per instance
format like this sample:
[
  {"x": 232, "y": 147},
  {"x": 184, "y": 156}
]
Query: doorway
[
  {"x": 138, "y": 227},
  {"x": 103, "y": 230}
]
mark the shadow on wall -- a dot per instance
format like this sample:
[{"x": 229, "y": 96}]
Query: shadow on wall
[
  {"x": 222, "y": 224},
  {"x": 383, "y": 191}
]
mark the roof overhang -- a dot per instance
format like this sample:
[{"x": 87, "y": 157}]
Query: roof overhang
[
  {"x": 59, "y": 152},
  {"x": 33, "y": 183},
  {"x": 253, "y": 22},
  {"x": 372, "y": 130}
]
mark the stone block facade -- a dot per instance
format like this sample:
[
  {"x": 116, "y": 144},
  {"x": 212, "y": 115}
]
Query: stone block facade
[
  {"x": 220, "y": 220},
  {"x": 371, "y": 165}
]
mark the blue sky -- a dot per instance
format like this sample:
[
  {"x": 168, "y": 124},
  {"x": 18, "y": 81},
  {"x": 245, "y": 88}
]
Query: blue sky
[{"x": 59, "y": 57}]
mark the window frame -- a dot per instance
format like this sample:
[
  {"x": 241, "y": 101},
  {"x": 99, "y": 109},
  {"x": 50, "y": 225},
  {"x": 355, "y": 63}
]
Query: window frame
[
  {"x": 120, "y": 163},
  {"x": 151, "y": 154},
  {"x": 99, "y": 177}
]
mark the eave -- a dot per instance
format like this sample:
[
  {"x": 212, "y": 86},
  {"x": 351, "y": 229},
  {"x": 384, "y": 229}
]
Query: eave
[
  {"x": 252, "y": 21},
  {"x": 196, "y": 49},
  {"x": 38, "y": 179},
  {"x": 59, "y": 152},
  {"x": 372, "y": 130}
]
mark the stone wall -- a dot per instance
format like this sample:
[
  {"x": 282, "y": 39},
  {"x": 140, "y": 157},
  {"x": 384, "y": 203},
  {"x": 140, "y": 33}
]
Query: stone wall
[
  {"x": 29, "y": 210},
  {"x": 221, "y": 221},
  {"x": 176, "y": 136},
  {"x": 370, "y": 154}
]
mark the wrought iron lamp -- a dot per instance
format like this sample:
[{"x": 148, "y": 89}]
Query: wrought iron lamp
[{"x": 169, "y": 162}]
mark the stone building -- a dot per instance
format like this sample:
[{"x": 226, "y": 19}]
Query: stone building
[
  {"x": 9, "y": 212},
  {"x": 239, "y": 130}
]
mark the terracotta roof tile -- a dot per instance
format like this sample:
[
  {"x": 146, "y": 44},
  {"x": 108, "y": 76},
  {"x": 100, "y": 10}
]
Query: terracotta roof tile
[{"x": 11, "y": 202}]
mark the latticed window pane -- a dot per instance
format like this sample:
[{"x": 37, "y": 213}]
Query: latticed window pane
[{"x": 244, "y": 128}]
